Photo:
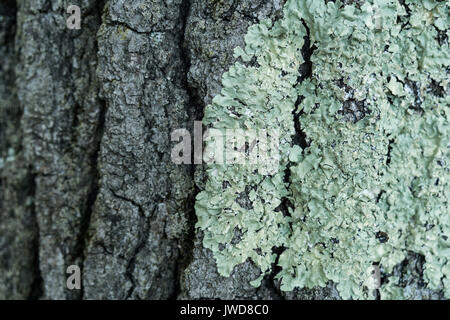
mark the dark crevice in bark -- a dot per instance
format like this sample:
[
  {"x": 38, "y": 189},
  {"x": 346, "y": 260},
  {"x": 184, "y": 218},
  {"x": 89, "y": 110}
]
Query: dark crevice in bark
[
  {"x": 415, "y": 262},
  {"x": 95, "y": 175},
  {"x": 75, "y": 122},
  {"x": 20, "y": 181},
  {"x": 177, "y": 276},
  {"x": 442, "y": 36},
  {"x": 388, "y": 156},
  {"x": 353, "y": 110},
  {"x": 93, "y": 192},
  {"x": 9, "y": 9},
  {"x": 8, "y": 113},
  {"x": 417, "y": 103},
  {"x": 134, "y": 203},
  {"x": 379, "y": 196},
  {"x": 300, "y": 139},
  {"x": 132, "y": 263},
  {"x": 227, "y": 15},
  {"x": 37, "y": 289},
  {"x": 196, "y": 104},
  {"x": 141, "y": 243},
  {"x": 274, "y": 285},
  {"x": 436, "y": 89},
  {"x": 408, "y": 14},
  {"x": 127, "y": 26},
  {"x": 410, "y": 274},
  {"x": 305, "y": 70},
  {"x": 195, "y": 113}
]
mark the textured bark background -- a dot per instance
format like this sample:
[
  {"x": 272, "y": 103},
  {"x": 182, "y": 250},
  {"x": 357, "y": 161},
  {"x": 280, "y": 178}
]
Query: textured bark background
[{"x": 85, "y": 123}]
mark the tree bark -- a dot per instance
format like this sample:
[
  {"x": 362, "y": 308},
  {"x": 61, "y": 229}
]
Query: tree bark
[{"x": 85, "y": 128}]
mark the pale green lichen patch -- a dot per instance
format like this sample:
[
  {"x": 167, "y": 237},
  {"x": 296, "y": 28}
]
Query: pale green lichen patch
[{"x": 363, "y": 192}]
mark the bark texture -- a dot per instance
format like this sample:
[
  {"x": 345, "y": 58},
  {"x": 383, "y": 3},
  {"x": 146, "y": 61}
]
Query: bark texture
[{"x": 85, "y": 130}]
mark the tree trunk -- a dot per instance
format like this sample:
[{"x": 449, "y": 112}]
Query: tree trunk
[
  {"x": 85, "y": 131},
  {"x": 86, "y": 118}
]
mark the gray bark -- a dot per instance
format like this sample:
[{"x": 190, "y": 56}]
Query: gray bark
[{"x": 85, "y": 124}]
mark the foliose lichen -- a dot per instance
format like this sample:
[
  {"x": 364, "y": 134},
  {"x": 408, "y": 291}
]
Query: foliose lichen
[{"x": 365, "y": 189}]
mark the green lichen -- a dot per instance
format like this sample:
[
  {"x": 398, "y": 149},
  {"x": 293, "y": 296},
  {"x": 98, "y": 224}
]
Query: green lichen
[{"x": 373, "y": 182}]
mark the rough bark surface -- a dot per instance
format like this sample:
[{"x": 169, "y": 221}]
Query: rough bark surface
[{"x": 85, "y": 130}]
